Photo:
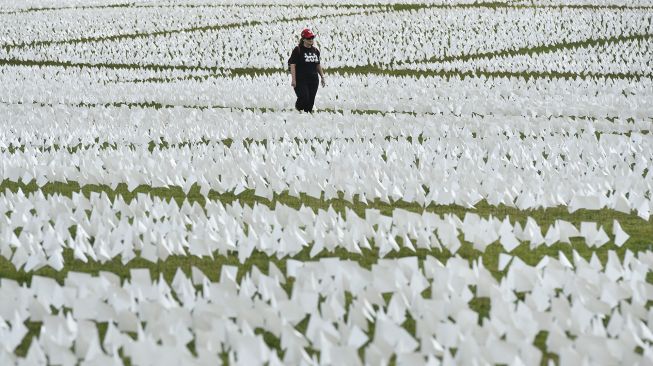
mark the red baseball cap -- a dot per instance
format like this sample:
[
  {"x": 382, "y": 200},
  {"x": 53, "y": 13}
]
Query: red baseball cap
[{"x": 306, "y": 33}]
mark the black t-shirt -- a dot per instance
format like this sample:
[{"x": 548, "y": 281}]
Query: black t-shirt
[{"x": 305, "y": 60}]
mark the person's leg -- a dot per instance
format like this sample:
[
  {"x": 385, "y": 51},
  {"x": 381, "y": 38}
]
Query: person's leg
[
  {"x": 301, "y": 90},
  {"x": 313, "y": 84}
]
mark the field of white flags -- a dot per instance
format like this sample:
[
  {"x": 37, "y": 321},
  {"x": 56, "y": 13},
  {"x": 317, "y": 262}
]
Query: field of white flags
[{"x": 474, "y": 187}]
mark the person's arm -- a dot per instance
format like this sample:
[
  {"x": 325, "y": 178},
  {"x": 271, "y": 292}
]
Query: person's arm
[
  {"x": 294, "y": 57},
  {"x": 293, "y": 72}
]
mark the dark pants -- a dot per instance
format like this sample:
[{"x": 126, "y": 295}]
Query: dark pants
[{"x": 305, "y": 90}]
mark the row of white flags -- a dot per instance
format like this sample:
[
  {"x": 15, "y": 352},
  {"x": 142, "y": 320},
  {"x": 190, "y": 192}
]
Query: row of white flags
[
  {"x": 67, "y": 125},
  {"x": 451, "y": 166},
  {"x": 598, "y": 59},
  {"x": 262, "y": 37},
  {"x": 502, "y": 97},
  {"x": 592, "y": 312},
  {"x": 154, "y": 229}
]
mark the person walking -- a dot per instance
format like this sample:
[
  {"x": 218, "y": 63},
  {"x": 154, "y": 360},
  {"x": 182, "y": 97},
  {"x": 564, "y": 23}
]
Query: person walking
[{"x": 304, "y": 67}]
